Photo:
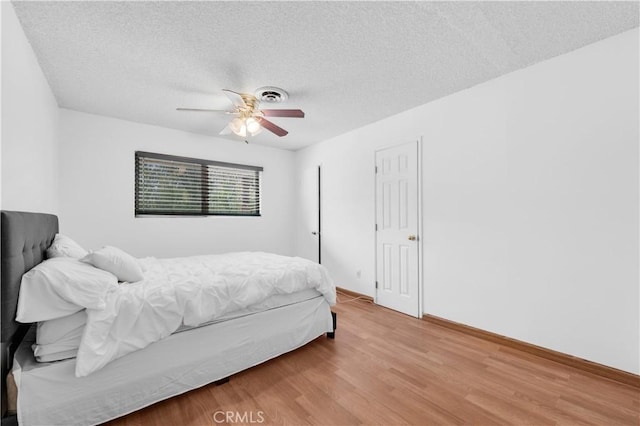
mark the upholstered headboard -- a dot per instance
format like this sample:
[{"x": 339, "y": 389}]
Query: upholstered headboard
[{"x": 25, "y": 239}]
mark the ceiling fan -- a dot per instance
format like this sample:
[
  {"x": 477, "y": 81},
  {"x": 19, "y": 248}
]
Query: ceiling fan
[{"x": 250, "y": 120}]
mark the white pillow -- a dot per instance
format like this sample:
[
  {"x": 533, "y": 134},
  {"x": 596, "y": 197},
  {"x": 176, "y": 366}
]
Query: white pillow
[
  {"x": 112, "y": 259},
  {"x": 62, "y": 286},
  {"x": 61, "y": 330},
  {"x": 59, "y": 338},
  {"x": 63, "y": 246}
]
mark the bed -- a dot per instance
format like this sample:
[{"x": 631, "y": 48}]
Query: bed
[{"x": 50, "y": 393}]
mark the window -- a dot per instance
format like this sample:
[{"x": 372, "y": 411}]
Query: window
[{"x": 169, "y": 185}]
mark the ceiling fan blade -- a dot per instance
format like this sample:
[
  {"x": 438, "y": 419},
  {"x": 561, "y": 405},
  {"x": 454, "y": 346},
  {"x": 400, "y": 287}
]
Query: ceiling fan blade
[
  {"x": 226, "y": 130},
  {"x": 292, "y": 113},
  {"x": 235, "y": 98},
  {"x": 205, "y": 110},
  {"x": 277, "y": 130}
]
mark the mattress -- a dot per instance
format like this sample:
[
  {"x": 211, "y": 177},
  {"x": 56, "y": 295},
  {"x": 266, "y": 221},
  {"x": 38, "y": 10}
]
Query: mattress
[
  {"x": 275, "y": 301},
  {"x": 49, "y": 393},
  {"x": 59, "y": 339}
]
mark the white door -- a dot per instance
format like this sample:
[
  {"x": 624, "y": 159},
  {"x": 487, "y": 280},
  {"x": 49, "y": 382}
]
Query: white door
[
  {"x": 310, "y": 211},
  {"x": 397, "y": 264}
]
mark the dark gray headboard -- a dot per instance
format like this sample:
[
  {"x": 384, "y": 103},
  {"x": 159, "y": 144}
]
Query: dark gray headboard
[{"x": 25, "y": 239}]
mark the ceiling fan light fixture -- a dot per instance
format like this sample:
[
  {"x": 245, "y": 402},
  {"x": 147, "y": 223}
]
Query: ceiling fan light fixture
[
  {"x": 250, "y": 120},
  {"x": 253, "y": 126},
  {"x": 238, "y": 127}
]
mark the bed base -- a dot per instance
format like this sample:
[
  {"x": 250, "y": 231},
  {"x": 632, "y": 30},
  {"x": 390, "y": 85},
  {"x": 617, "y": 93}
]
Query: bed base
[
  {"x": 221, "y": 353},
  {"x": 330, "y": 335}
]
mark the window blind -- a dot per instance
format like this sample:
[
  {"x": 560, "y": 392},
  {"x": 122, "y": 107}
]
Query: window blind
[{"x": 170, "y": 185}]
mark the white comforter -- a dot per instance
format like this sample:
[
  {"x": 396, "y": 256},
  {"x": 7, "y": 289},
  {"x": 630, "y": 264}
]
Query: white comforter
[{"x": 191, "y": 290}]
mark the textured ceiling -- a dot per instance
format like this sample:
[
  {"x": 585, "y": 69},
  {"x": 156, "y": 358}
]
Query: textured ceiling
[{"x": 346, "y": 64}]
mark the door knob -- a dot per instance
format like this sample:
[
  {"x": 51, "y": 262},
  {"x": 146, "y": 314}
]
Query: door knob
[
  {"x": 412, "y": 238},
  {"x": 314, "y": 233}
]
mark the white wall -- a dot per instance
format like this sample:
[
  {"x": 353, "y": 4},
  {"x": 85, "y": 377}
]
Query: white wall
[
  {"x": 29, "y": 125},
  {"x": 97, "y": 191},
  {"x": 530, "y": 187}
]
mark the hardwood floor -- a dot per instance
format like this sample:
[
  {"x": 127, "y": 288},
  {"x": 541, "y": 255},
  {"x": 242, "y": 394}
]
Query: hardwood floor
[{"x": 387, "y": 368}]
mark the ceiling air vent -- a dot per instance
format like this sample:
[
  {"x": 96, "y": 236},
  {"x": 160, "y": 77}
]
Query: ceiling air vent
[{"x": 273, "y": 95}]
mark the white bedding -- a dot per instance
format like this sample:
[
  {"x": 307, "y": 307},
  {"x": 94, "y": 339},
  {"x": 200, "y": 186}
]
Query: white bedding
[{"x": 189, "y": 291}]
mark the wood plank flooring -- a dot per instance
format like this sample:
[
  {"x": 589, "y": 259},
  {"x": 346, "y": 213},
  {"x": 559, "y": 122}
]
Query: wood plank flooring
[{"x": 386, "y": 368}]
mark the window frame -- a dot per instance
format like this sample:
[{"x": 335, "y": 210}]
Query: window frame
[{"x": 204, "y": 181}]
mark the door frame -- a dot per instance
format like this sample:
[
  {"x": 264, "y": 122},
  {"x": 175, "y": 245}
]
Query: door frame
[
  {"x": 320, "y": 213},
  {"x": 418, "y": 142}
]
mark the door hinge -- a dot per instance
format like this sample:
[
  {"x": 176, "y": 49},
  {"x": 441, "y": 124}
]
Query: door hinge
[
  {"x": 376, "y": 285},
  {"x": 376, "y": 169},
  {"x": 376, "y": 226}
]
